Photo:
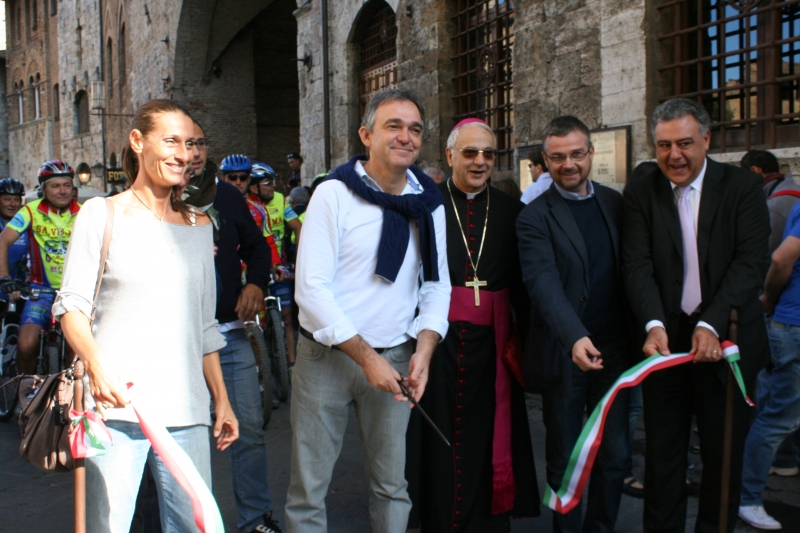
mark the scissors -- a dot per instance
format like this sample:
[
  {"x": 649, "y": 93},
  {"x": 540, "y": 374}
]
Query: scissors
[{"x": 411, "y": 399}]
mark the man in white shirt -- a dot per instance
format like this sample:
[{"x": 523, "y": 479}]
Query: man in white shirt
[
  {"x": 373, "y": 252},
  {"x": 541, "y": 177}
]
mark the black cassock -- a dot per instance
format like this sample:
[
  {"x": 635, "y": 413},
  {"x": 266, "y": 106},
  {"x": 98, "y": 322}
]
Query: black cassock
[{"x": 451, "y": 488}]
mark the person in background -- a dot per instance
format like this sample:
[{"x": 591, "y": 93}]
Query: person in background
[
  {"x": 295, "y": 161},
  {"x": 435, "y": 174},
  {"x": 508, "y": 186},
  {"x": 781, "y": 191},
  {"x": 240, "y": 240},
  {"x": 11, "y": 194},
  {"x": 539, "y": 174},
  {"x": 281, "y": 216},
  {"x": 782, "y": 194},
  {"x": 235, "y": 169},
  {"x": 48, "y": 223}
]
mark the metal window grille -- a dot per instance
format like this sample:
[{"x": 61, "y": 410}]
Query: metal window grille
[
  {"x": 378, "y": 55},
  {"x": 483, "y": 87},
  {"x": 739, "y": 58}
]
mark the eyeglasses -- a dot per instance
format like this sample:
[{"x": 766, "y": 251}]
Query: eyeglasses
[
  {"x": 576, "y": 157},
  {"x": 237, "y": 177},
  {"x": 267, "y": 183},
  {"x": 472, "y": 153},
  {"x": 200, "y": 144}
]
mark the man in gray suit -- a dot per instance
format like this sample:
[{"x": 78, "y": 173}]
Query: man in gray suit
[{"x": 569, "y": 253}]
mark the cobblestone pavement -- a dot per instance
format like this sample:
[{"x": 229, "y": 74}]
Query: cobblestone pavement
[{"x": 31, "y": 500}]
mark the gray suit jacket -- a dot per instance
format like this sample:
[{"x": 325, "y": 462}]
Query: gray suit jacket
[{"x": 555, "y": 271}]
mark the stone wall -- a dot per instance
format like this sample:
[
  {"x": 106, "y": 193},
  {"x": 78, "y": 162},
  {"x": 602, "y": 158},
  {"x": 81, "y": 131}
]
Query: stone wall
[
  {"x": 3, "y": 119},
  {"x": 79, "y": 64},
  {"x": 30, "y": 145}
]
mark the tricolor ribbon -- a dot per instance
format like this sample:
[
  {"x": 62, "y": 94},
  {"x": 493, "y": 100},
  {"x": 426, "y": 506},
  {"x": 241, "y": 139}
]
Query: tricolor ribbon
[
  {"x": 581, "y": 460},
  {"x": 87, "y": 439},
  {"x": 206, "y": 513}
]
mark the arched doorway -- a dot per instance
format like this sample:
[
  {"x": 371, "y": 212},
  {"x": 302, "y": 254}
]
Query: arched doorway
[{"x": 277, "y": 96}]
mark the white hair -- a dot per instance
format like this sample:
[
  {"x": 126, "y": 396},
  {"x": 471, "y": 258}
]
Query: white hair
[{"x": 451, "y": 140}]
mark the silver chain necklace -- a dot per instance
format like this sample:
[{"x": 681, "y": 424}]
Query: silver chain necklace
[{"x": 160, "y": 219}]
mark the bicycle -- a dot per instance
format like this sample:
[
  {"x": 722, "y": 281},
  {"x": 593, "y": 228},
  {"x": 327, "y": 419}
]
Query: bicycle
[
  {"x": 270, "y": 352},
  {"x": 9, "y": 335},
  {"x": 52, "y": 344}
]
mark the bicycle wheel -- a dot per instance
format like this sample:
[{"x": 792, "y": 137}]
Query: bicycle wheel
[
  {"x": 280, "y": 369},
  {"x": 8, "y": 393},
  {"x": 256, "y": 337},
  {"x": 51, "y": 355}
]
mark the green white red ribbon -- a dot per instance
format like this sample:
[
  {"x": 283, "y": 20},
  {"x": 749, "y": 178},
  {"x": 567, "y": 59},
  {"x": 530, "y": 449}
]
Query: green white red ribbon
[
  {"x": 87, "y": 439},
  {"x": 583, "y": 454},
  {"x": 206, "y": 513}
]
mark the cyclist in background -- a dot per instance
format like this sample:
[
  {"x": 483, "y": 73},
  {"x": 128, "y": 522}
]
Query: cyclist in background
[
  {"x": 11, "y": 193},
  {"x": 47, "y": 224},
  {"x": 235, "y": 169},
  {"x": 262, "y": 176},
  {"x": 281, "y": 216}
]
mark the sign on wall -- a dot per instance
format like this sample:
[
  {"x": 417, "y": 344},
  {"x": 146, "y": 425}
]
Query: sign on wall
[
  {"x": 612, "y": 156},
  {"x": 116, "y": 175}
]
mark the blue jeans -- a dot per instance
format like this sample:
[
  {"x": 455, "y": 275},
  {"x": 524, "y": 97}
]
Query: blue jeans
[
  {"x": 563, "y": 409},
  {"x": 778, "y": 410},
  {"x": 112, "y": 480},
  {"x": 326, "y": 382},
  {"x": 249, "y": 452}
]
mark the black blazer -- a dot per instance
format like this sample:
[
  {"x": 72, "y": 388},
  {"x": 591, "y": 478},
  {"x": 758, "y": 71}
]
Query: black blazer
[
  {"x": 732, "y": 236},
  {"x": 554, "y": 259}
]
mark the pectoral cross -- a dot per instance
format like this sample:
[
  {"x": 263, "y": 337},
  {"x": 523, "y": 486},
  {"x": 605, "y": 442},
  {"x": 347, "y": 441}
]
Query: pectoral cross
[{"x": 476, "y": 284}]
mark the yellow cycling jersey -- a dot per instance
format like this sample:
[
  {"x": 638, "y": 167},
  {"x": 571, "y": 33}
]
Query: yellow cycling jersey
[{"x": 48, "y": 237}]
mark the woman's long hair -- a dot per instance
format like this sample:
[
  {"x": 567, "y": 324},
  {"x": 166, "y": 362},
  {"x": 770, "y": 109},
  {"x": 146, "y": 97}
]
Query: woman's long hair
[{"x": 144, "y": 121}]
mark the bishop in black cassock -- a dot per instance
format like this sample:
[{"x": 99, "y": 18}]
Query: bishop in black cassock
[{"x": 488, "y": 474}]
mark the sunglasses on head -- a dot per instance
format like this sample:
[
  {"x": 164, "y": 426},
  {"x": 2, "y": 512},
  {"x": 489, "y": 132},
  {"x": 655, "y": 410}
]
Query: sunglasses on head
[
  {"x": 472, "y": 153},
  {"x": 237, "y": 177}
]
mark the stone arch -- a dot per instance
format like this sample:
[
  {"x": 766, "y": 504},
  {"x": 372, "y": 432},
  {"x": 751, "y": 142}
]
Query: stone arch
[
  {"x": 198, "y": 45},
  {"x": 230, "y": 65}
]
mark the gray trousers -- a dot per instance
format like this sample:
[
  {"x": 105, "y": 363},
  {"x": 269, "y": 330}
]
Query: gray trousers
[{"x": 325, "y": 383}]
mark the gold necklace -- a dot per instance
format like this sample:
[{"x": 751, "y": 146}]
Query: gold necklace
[
  {"x": 475, "y": 283},
  {"x": 160, "y": 219}
]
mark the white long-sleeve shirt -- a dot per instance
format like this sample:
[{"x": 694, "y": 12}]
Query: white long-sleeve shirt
[{"x": 337, "y": 290}]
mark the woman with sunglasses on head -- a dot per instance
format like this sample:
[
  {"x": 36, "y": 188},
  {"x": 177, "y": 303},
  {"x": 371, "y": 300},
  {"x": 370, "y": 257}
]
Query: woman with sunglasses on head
[{"x": 154, "y": 325}]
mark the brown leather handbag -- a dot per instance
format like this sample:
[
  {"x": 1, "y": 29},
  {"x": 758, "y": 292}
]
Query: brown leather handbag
[
  {"x": 44, "y": 421},
  {"x": 46, "y": 400}
]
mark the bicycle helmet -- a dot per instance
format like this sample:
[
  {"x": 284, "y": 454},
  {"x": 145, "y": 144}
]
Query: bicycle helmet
[
  {"x": 261, "y": 171},
  {"x": 235, "y": 163},
  {"x": 55, "y": 169},
  {"x": 12, "y": 186}
]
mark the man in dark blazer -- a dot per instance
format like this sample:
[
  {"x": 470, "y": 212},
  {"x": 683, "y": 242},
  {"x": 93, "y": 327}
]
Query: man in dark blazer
[
  {"x": 694, "y": 247},
  {"x": 569, "y": 253}
]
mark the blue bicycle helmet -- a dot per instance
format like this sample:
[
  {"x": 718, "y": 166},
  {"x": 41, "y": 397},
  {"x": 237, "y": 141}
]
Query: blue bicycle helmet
[
  {"x": 261, "y": 171},
  {"x": 12, "y": 186},
  {"x": 235, "y": 163}
]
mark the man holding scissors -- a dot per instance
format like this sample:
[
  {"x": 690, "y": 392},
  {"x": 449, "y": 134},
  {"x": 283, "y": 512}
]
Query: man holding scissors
[{"x": 373, "y": 252}]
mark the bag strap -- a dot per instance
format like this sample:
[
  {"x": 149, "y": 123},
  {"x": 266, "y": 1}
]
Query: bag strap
[
  {"x": 103, "y": 254},
  {"x": 789, "y": 192}
]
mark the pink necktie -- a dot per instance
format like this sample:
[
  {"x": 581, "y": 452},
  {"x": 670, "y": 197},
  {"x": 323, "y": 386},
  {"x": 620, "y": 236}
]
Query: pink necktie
[{"x": 691, "y": 297}]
